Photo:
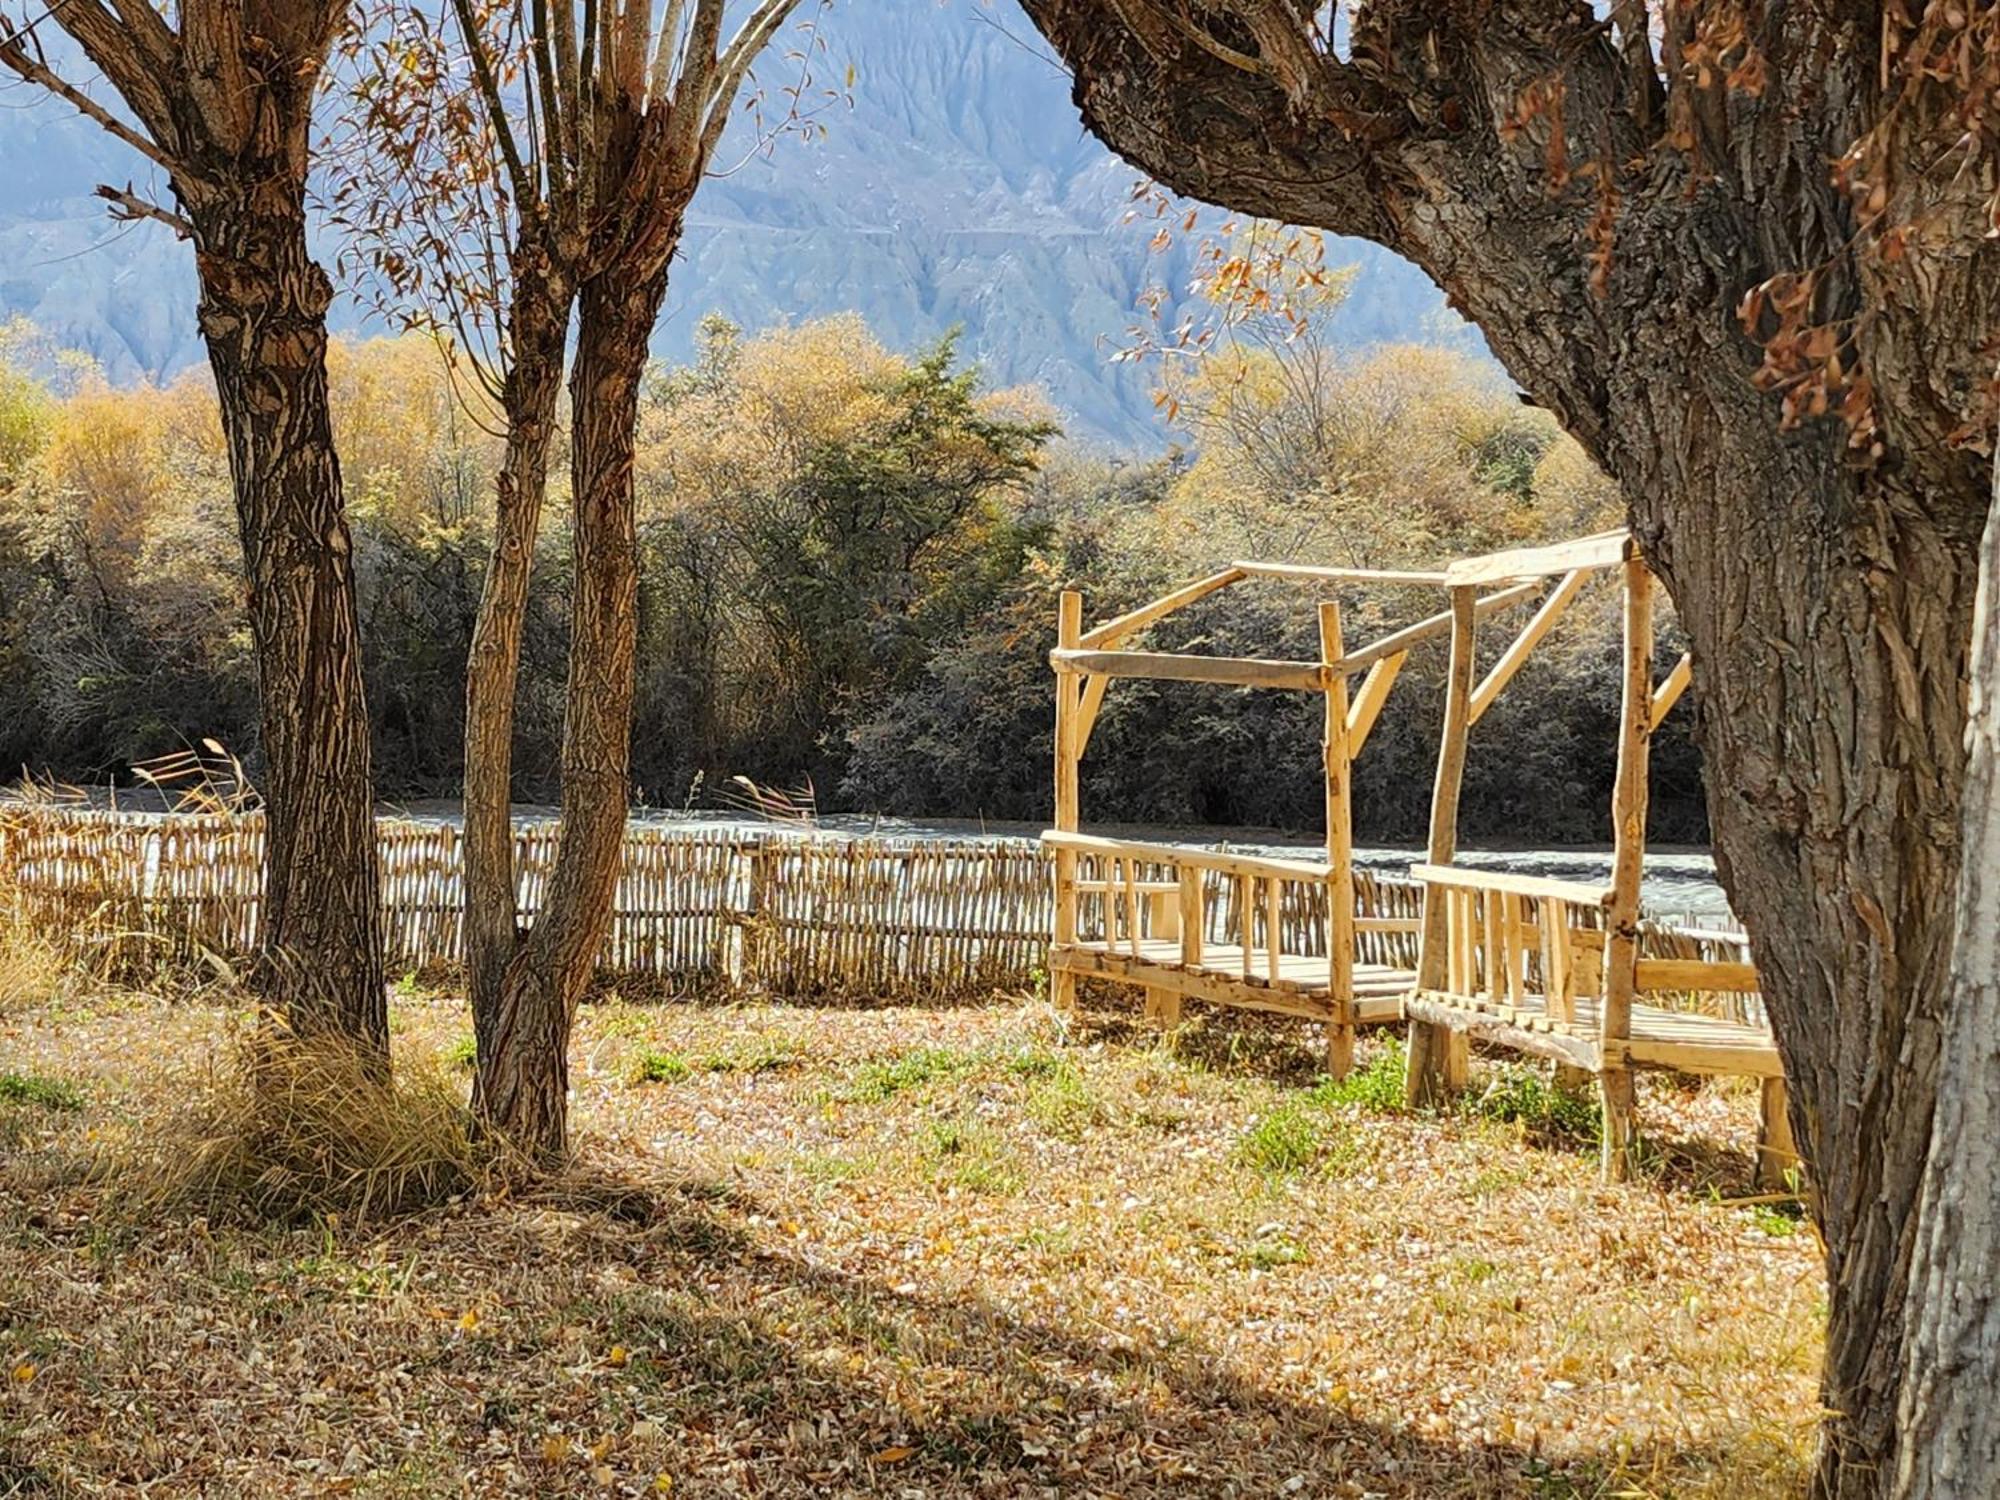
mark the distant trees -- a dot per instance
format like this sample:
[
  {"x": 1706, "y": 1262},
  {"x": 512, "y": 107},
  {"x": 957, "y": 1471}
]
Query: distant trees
[
  {"x": 220, "y": 97},
  {"x": 922, "y": 688}
]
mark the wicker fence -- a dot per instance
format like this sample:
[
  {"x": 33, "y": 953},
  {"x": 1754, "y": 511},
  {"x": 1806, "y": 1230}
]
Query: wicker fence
[{"x": 787, "y": 914}]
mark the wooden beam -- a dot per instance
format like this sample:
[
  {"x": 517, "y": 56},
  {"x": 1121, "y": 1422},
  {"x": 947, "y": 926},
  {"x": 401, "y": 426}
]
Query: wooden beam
[
  {"x": 1719, "y": 978},
  {"x": 1167, "y": 666},
  {"x": 1123, "y": 627},
  {"x": 1442, "y": 1013},
  {"x": 1423, "y": 630},
  {"x": 1367, "y": 706},
  {"x": 1254, "y": 866},
  {"x": 1668, "y": 693},
  {"x": 1439, "y": 1058},
  {"x": 1628, "y": 830},
  {"x": 1086, "y": 712},
  {"x": 1313, "y": 573},
  {"x": 1069, "y": 620},
  {"x": 1531, "y": 635},
  {"x": 1338, "y": 758},
  {"x": 1541, "y": 886},
  {"x": 1601, "y": 550}
]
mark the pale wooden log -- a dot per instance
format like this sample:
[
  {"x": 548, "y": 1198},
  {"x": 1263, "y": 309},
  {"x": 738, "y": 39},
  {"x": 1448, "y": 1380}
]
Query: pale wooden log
[
  {"x": 1628, "y": 820},
  {"x": 1600, "y": 550},
  {"x": 1438, "y": 1055},
  {"x": 1777, "y": 1152},
  {"x": 1668, "y": 693},
  {"x": 1123, "y": 627},
  {"x": 1576, "y": 891},
  {"x": 1311, "y": 572},
  {"x": 1069, "y": 623},
  {"x": 1172, "y": 666},
  {"x": 1338, "y": 758},
  {"x": 1091, "y": 700},
  {"x": 1246, "y": 918},
  {"x": 1368, "y": 700},
  {"x": 1696, "y": 975},
  {"x": 1192, "y": 924},
  {"x": 1516, "y": 654},
  {"x": 1256, "y": 866},
  {"x": 1273, "y": 929},
  {"x": 1432, "y": 625}
]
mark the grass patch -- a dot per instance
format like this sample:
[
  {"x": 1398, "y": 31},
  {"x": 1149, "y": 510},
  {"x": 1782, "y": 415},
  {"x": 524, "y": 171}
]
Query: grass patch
[
  {"x": 1546, "y": 1115},
  {"x": 295, "y": 1131},
  {"x": 1286, "y": 1140},
  {"x": 462, "y": 1053},
  {"x": 883, "y": 1079},
  {"x": 37, "y": 1092},
  {"x": 659, "y": 1067},
  {"x": 1062, "y": 1103},
  {"x": 1376, "y": 1088},
  {"x": 967, "y": 1154}
]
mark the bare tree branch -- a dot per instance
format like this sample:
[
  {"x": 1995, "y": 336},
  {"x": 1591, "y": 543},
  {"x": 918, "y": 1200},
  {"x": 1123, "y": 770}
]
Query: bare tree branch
[{"x": 128, "y": 207}]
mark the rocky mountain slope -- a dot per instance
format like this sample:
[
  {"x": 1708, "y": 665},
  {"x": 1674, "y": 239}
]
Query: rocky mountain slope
[{"x": 960, "y": 190}]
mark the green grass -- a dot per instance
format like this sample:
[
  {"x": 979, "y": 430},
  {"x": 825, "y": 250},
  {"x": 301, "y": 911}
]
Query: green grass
[
  {"x": 41, "y": 1093},
  {"x": 1286, "y": 1140},
  {"x": 1061, "y": 1103},
  {"x": 659, "y": 1067},
  {"x": 462, "y": 1053},
  {"x": 884, "y": 1078},
  {"x": 1547, "y": 1115},
  {"x": 1377, "y": 1088},
  {"x": 966, "y": 1154}
]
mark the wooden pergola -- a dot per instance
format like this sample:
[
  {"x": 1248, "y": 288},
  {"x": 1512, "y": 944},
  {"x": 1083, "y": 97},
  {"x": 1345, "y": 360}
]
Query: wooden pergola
[{"x": 1554, "y": 969}]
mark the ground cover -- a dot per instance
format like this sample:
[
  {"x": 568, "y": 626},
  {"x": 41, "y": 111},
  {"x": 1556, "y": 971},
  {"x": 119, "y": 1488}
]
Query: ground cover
[{"x": 969, "y": 1251}]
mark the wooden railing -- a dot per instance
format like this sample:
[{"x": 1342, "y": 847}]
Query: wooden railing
[
  {"x": 1125, "y": 893},
  {"x": 1505, "y": 936}
]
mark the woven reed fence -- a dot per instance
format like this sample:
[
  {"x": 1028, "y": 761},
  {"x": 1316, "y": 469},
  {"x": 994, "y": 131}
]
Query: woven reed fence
[
  {"x": 789, "y": 914},
  {"x": 792, "y": 915}
]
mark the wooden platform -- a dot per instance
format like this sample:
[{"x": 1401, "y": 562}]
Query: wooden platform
[
  {"x": 1684, "y": 1041},
  {"x": 1300, "y": 988}
]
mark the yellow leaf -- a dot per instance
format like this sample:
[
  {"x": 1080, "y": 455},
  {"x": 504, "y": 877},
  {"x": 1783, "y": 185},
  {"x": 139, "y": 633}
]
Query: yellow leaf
[
  {"x": 24, "y": 1372},
  {"x": 556, "y": 1448},
  {"x": 468, "y": 1320},
  {"x": 893, "y": 1455},
  {"x": 662, "y": 1483},
  {"x": 619, "y": 1354}
]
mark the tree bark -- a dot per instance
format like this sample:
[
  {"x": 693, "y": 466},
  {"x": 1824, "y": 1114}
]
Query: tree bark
[
  {"x": 1950, "y": 1437},
  {"x": 525, "y": 1091},
  {"x": 539, "y": 325},
  {"x": 263, "y": 318},
  {"x": 1826, "y": 586}
]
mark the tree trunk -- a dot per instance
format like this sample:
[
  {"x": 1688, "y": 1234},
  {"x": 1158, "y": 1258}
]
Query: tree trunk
[
  {"x": 525, "y": 1091},
  {"x": 1950, "y": 1430},
  {"x": 1604, "y": 240},
  {"x": 263, "y": 318},
  {"x": 539, "y": 325}
]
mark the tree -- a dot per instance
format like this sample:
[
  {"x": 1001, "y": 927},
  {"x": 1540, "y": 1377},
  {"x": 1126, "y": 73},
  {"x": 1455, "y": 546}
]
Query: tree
[
  {"x": 1740, "y": 252},
  {"x": 593, "y": 129},
  {"x": 220, "y": 95}
]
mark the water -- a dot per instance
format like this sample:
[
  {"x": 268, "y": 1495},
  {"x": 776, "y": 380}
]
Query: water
[{"x": 1678, "y": 882}]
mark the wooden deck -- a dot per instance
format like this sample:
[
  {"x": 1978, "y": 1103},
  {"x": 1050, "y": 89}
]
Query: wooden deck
[
  {"x": 1301, "y": 987},
  {"x": 1685, "y": 1041}
]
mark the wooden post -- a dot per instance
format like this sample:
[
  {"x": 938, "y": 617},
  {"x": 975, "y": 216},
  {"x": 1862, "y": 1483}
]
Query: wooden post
[
  {"x": 1777, "y": 1152},
  {"x": 1069, "y": 629},
  {"x": 1439, "y": 1058},
  {"x": 1628, "y": 831},
  {"x": 1339, "y": 853}
]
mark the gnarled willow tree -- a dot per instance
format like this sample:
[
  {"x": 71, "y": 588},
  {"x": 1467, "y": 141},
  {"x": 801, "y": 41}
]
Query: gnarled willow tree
[
  {"x": 218, "y": 94},
  {"x": 1740, "y": 248}
]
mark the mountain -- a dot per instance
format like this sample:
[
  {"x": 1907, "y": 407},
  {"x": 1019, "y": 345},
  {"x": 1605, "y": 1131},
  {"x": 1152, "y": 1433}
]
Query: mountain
[{"x": 961, "y": 190}]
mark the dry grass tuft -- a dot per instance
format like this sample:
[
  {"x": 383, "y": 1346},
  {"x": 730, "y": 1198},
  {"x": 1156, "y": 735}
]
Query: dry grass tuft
[{"x": 293, "y": 1130}]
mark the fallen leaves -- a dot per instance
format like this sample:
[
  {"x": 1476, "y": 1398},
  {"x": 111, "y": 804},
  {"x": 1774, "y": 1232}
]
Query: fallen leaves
[{"x": 942, "y": 1290}]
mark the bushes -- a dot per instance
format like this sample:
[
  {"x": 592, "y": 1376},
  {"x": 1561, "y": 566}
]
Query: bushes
[{"x": 849, "y": 572}]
